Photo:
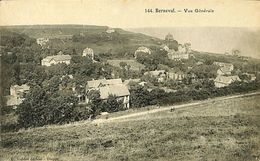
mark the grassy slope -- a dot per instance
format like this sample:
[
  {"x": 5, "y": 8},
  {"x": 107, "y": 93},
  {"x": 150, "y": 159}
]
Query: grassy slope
[
  {"x": 66, "y": 31},
  {"x": 222, "y": 130}
]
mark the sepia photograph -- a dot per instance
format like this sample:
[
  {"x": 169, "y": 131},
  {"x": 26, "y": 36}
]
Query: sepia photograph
[{"x": 129, "y": 80}]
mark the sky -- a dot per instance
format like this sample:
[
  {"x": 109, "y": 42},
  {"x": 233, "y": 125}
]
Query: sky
[
  {"x": 129, "y": 13},
  {"x": 212, "y": 39},
  {"x": 204, "y": 30}
]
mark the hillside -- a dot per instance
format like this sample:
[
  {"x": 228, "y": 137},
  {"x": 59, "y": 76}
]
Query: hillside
[
  {"x": 227, "y": 129},
  {"x": 79, "y": 37}
]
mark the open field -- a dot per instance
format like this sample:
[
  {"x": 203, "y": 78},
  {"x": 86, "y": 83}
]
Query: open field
[{"x": 219, "y": 129}]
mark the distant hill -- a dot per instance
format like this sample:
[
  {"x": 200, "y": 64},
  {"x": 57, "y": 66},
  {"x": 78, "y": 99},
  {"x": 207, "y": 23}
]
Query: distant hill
[
  {"x": 212, "y": 39},
  {"x": 62, "y": 36},
  {"x": 37, "y": 31}
]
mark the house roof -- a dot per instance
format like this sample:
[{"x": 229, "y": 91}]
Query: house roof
[
  {"x": 96, "y": 83},
  {"x": 57, "y": 58},
  {"x": 23, "y": 87},
  {"x": 222, "y": 64},
  {"x": 143, "y": 49},
  {"x": 88, "y": 50},
  {"x": 118, "y": 90},
  {"x": 227, "y": 79},
  {"x": 226, "y": 69}
]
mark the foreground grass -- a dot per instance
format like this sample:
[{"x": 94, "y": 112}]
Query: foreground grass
[{"x": 220, "y": 130}]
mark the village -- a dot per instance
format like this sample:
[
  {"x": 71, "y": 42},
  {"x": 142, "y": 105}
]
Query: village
[
  {"x": 105, "y": 70},
  {"x": 84, "y": 80},
  {"x": 118, "y": 87}
]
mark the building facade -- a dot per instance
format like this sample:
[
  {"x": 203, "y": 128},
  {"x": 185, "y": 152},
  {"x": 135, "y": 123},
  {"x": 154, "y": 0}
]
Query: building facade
[
  {"x": 108, "y": 87},
  {"x": 223, "y": 81},
  {"x": 88, "y": 52},
  {"x": 56, "y": 59}
]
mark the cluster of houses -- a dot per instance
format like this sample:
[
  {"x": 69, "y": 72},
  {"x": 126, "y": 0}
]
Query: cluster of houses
[
  {"x": 117, "y": 87},
  {"x": 225, "y": 76},
  {"x": 183, "y": 52},
  {"x": 163, "y": 75},
  {"x": 63, "y": 58},
  {"x": 106, "y": 87}
]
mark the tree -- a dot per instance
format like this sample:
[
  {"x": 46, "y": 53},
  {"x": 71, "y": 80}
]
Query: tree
[
  {"x": 94, "y": 102},
  {"x": 113, "y": 105},
  {"x": 41, "y": 108},
  {"x": 123, "y": 65},
  {"x": 139, "y": 96},
  {"x": 30, "y": 111}
]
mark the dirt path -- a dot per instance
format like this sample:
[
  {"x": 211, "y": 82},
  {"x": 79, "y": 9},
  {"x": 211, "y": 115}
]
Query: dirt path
[{"x": 165, "y": 108}]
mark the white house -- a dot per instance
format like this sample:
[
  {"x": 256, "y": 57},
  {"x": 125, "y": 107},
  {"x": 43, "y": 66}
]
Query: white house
[
  {"x": 42, "y": 41},
  {"x": 164, "y": 47},
  {"x": 225, "y": 68},
  {"x": 142, "y": 49},
  {"x": 108, "y": 87},
  {"x": 178, "y": 76},
  {"x": 88, "y": 52},
  {"x": 223, "y": 81},
  {"x": 110, "y": 30},
  {"x": 17, "y": 94},
  {"x": 176, "y": 55},
  {"x": 161, "y": 75},
  {"x": 56, "y": 59},
  {"x": 184, "y": 52}
]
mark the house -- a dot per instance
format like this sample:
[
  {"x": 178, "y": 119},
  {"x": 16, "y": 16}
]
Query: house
[
  {"x": 178, "y": 76},
  {"x": 225, "y": 68},
  {"x": 183, "y": 52},
  {"x": 164, "y": 47},
  {"x": 223, "y": 81},
  {"x": 251, "y": 77},
  {"x": 142, "y": 49},
  {"x": 143, "y": 83},
  {"x": 110, "y": 30},
  {"x": 56, "y": 59},
  {"x": 176, "y": 55},
  {"x": 108, "y": 87},
  {"x": 17, "y": 94},
  {"x": 42, "y": 41},
  {"x": 161, "y": 75},
  {"x": 19, "y": 91},
  {"x": 95, "y": 84},
  {"x": 88, "y": 52},
  {"x": 199, "y": 63}
]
